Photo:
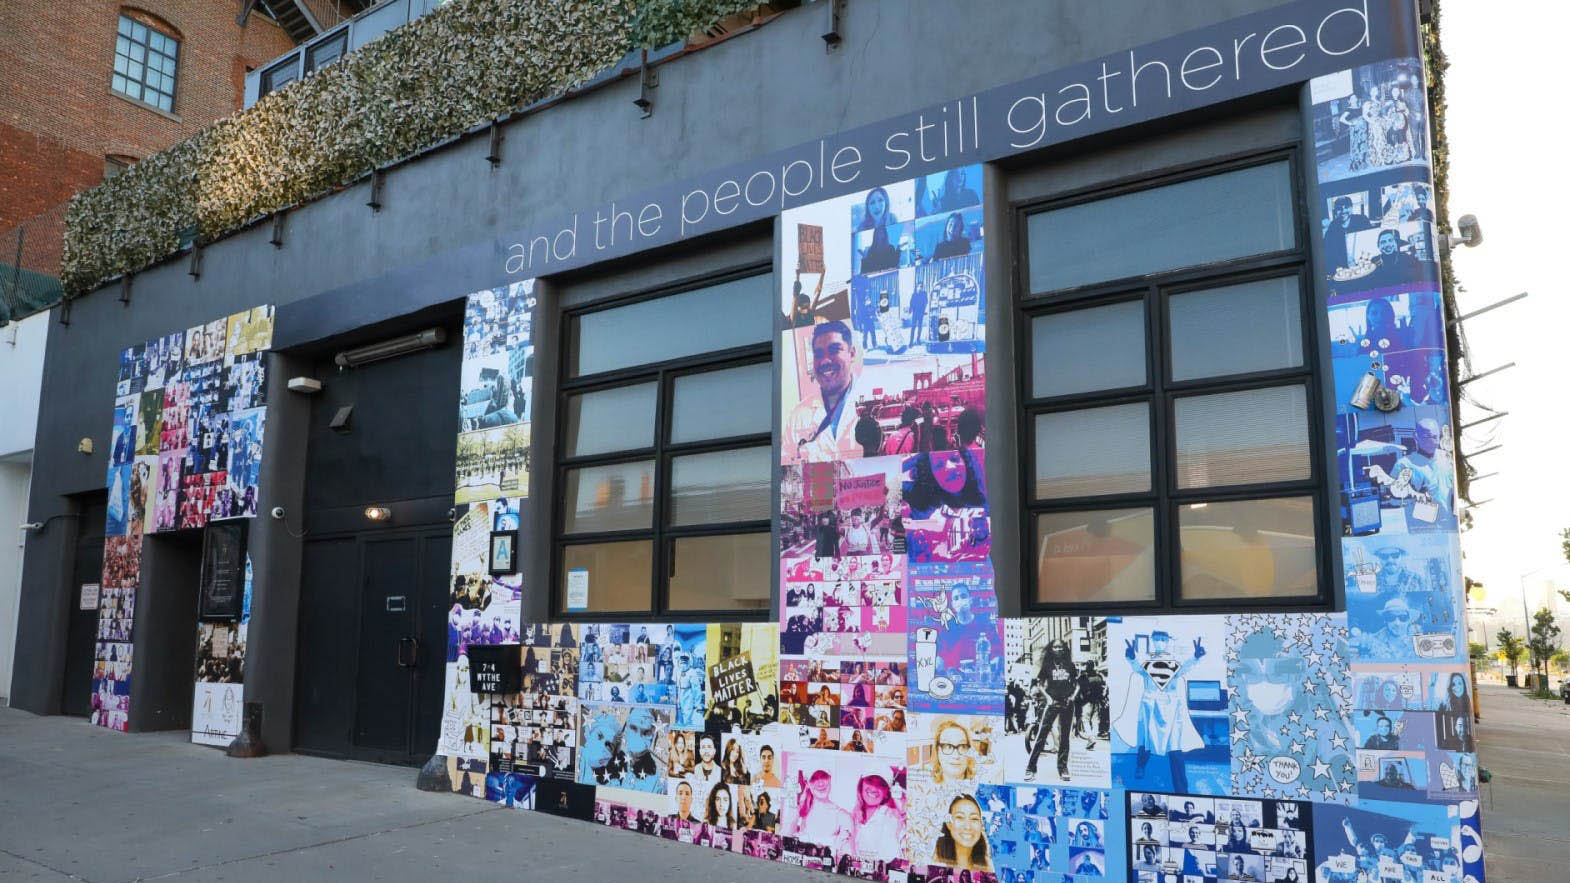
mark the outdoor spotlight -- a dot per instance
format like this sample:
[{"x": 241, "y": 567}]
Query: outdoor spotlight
[{"x": 378, "y": 513}]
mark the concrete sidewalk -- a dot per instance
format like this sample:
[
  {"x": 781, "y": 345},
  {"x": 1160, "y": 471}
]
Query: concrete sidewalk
[
  {"x": 81, "y": 803},
  {"x": 1525, "y": 744}
]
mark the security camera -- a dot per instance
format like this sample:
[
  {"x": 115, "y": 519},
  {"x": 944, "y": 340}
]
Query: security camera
[
  {"x": 1471, "y": 234},
  {"x": 278, "y": 512}
]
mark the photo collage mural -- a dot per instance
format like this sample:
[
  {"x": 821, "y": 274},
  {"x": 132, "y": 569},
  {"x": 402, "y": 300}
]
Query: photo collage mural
[
  {"x": 186, "y": 449},
  {"x": 891, "y": 725}
]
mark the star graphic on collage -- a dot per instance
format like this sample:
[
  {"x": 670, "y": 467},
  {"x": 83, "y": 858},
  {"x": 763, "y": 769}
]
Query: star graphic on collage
[
  {"x": 1335, "y": 660},
  {"x": 1321, "y": 713},
  {"x": 1242, "y": 716},
  {"x": 1232, "y": 656},
  {"x": 1310, "y": 687},
  {"x": 1279, "y": 632},
  {"x": 1240, "y": 735},
  {"x": 1295, "y": 748},
  {"x": 1311, "y": 734},
  {"x": 1337, "y": 688},
  {"x": 1314, "y": 658},
  {"x": 1294, "y": 717},
  {"x": 1350, "y": 769},
  {"x": 1302, "y": 791},
  {"x": 1303, "y": 639},
  {"x": 1346, "y": 785},
  {"x": 1330, "y": 794},
  {"x": 1338, "y": 741},
  {"x": 1270, "y": 793},
  {"x": 1251, "y": 761},
  {"x": 1321, "y": 769},
  {"x": 1286, "y": 731}
]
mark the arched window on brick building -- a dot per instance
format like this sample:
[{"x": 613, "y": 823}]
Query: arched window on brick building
[{"x": 146, "y": 59}]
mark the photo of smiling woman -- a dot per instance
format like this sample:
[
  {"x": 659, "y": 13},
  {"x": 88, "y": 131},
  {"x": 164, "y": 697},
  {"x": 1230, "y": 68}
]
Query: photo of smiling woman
[
  {"x": 878, "y": 822},
  {"x": 963, "y": 843},
  {"x": 946, "y": 506}
]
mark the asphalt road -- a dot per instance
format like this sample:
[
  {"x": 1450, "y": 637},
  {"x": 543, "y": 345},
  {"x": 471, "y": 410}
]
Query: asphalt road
[
  {"x": 1525, "y": 744},
  {"x": 81, "y": 803}
]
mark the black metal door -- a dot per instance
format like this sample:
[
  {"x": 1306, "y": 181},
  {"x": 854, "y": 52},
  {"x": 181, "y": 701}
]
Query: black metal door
[
  {"x": 82, "y": 628},
  {"x": 327, "y": 655},
  {"x": 389, "y": 648}
]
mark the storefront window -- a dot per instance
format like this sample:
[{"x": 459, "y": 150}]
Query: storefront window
[
  {"x": 1170, "y": 418},
  {"x": 665, "y": 479}
]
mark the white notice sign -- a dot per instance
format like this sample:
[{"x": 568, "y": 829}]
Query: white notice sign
[
  {"x": 89, "y": 599},
  {"x": 578, "y": 589}
]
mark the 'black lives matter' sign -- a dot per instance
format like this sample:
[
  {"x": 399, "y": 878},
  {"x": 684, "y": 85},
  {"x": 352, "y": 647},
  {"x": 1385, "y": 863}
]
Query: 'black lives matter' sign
[
  {"x": 731, "y": 679},
  {"x": 495, "y": 668}
]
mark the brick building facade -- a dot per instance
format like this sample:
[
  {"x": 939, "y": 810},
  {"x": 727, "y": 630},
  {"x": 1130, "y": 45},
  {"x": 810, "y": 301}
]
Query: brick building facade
[{"x": 61, "y": 119}]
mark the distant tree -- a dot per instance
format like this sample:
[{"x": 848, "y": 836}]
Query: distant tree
[
  {"x": 1544, "y": 642},
  {"x": 1511, "y": 649},
  {"x": 1476, "y": 651}
]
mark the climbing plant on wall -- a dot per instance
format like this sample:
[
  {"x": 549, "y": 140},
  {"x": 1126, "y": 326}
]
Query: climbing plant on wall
[{"x": 467, "y": 62}]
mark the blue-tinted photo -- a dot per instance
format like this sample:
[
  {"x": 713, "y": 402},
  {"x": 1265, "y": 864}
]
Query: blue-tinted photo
[{"x": 955, "y": 234}]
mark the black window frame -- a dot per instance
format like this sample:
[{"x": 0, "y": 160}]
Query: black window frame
[
  {"x": 662, "y": 451},
  {"x": 173, "y": 92},
  {"x": 1154, "y": 292},
  {"x": 341, "y": 39},
  {"x": 264, "y": 83}
]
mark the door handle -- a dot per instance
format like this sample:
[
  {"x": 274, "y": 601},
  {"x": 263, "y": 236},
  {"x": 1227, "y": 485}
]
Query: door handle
[{"x": 411, "y": 658}]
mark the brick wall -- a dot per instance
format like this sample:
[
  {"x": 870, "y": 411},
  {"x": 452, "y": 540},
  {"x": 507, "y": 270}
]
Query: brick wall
[{"x": 58, "y": 117}]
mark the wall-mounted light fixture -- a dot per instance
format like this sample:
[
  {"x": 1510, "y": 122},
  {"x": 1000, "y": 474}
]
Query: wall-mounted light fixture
[
  {"x": 378, "y": 513},
  {"x": 387, "y": 349}
]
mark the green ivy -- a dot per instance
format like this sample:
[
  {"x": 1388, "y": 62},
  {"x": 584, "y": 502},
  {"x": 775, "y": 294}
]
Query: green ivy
[{"x": 465, "y": 63}]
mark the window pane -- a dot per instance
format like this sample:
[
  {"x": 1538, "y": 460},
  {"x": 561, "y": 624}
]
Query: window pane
[
  {"x": 1086, "y": 350},
  {"x": 139, "y": 32},
  {"x": 125, "y": 26},
  {"x": 1105, "y": 555},
  {"x": 1230, "y": 215},
  {"x": 618, "y": 575},
  {"x": 729, "y": 572},
  {"x": 721, "y": 486},
  {"x": 122, "y": 46},
  {"x": 165, "y": 102},
  {"x": 617, "y": 419},
  {"x": 721, "y": 404},
  {"x": 120, "y": 64},
  {"x": 1247, "y": 437},
  {"x": 1248, "y": 549},
  {"x": 729, "y": 314},
  {"x": 138, "y": 52},
  {"x": 1094, "y": 451},
  {"x": 615, "y": 497},
  {"x": 120, "y": 84},
  {"x": 1254, "y": 326}
]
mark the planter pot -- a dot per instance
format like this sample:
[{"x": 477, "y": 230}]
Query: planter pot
[{"x": 1510, "y": 681}]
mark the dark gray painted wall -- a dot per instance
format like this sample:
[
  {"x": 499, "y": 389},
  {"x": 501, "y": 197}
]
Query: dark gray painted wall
[{"x": 742, "y": 98}]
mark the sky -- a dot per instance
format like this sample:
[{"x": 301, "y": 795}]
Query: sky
[{"x": 1505, "y": 125}]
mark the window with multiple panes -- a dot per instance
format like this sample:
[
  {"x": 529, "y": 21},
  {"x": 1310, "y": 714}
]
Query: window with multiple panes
[
  {"x": 279, "y": 75},
  {"x": 327, "y": 51},
  {"x": 664, "y": 458},
  {"x": 145, "y": 63},
  {"x": 1170, "y": 422}
]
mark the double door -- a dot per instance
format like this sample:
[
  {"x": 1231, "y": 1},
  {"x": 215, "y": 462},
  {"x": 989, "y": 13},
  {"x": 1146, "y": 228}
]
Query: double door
[{"x": 373, "y": 645}]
